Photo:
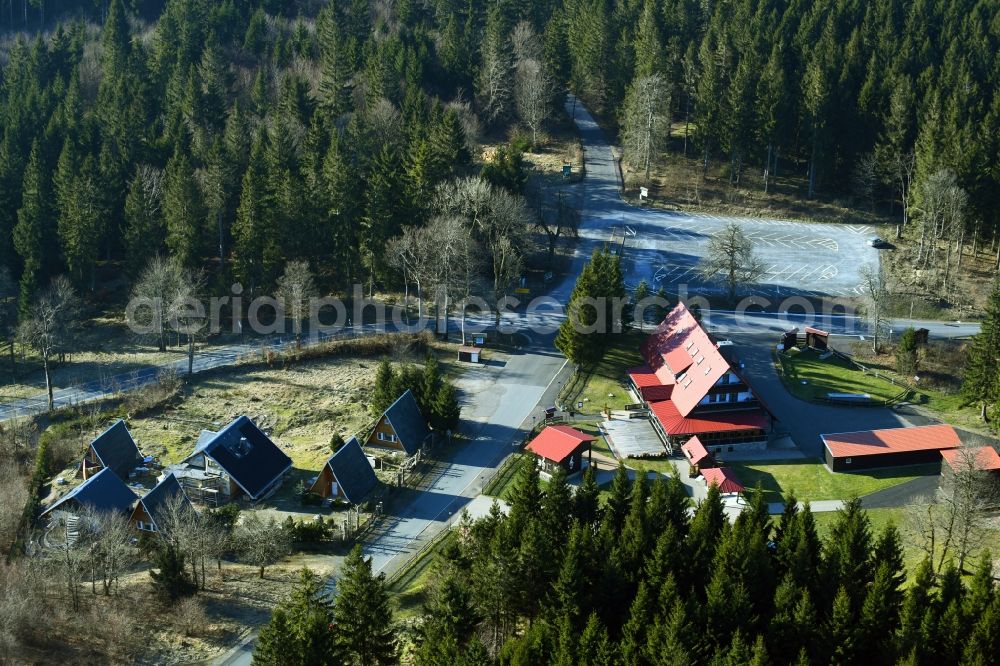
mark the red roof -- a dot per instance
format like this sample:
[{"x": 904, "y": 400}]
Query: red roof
[
  {"x": 817, "y": 331},
  {"x": 650, "y": 388},
  {"x": 731, "y": 421},
  {"x": 695, "y": 451},
  {"x": 557, "y": 443},
  {"x": 723, "y": 477},
  {"x": 682, "y": 349},
  {"x": 986, "y": 458},
  {"x": 891, "y": 440}
]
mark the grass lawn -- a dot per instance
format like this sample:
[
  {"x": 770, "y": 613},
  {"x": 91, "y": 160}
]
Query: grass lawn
[
  {"x": 830, "y": 375},
  {"x": 813, "y": 481},
  {"x": 607, "y": 384}
]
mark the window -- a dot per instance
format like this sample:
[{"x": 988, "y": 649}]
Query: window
[
  {"x": 386, "y": 437},
  {"x": 847, "y": 461},
  {"x": 689, "y": 344},
  {"x": 708, "y": 370},
  {"x": 699, "y": 360},
  {"x": 146, "y": 527}
]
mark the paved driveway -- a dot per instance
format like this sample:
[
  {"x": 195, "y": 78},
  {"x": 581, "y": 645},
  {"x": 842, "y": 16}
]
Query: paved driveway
[{"x": 805, "y": 421}]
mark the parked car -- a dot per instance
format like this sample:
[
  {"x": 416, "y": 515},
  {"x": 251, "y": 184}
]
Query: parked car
[{"x": 875, "y": 241}]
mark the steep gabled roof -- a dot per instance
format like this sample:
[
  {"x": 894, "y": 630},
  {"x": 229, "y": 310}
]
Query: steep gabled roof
[
  {"x": 891, "y": 440},
  {"x": 407, "y": 422},
  {"x": 695, "y": 451},
  {"x": 723, "y": 477},
  {"x": 682, "y": 348},
  {"x": 155, "y": 501},
  {"x": 116, "y": 449},
  {"x": 247, "y": 455},
  {"x": 352, "y": 471},
  {"x": 103, "y": 492},
  {"x": 556, "y": 443}
]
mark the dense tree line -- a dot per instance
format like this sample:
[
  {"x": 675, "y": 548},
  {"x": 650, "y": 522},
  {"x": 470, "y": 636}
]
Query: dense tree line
[
  {"x": 873, "y": 96},
  {"x": 640, "y": 579},
  {"x": 239, "y": 136},
  {"x": 565, "y": 579}
]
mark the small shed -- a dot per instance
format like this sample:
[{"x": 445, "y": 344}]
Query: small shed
[
  {"x": 561, "y": 446},
  {"x": 816, "y": 338},
  {"x": 468, "y": 354},
  {"x": 922, "y": 334},
  {"x": 725, "y": 479}
]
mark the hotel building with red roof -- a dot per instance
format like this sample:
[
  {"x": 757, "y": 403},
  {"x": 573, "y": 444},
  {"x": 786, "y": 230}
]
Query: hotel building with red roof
[{"x": 692, "y": 390}]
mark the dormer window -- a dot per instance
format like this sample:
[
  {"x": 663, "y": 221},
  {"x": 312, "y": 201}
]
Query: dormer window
[
  {"x": 694, "y": 352},
  {"x": 699, "y": 360},
  {"x": 688, "y": 345},
  {"x": 708, "y": 370},
  {"x": 687, "y": 383}
]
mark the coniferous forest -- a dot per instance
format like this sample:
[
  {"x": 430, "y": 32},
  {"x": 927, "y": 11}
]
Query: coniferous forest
[
  {"x": 567, "y": 579},
  {"x": 237, "y": 135}
]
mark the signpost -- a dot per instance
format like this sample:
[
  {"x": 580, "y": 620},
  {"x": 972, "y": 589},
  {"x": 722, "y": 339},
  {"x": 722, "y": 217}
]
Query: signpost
[
  {"x": 567, "y": 170},
  {"x": 643, "y": 193}
]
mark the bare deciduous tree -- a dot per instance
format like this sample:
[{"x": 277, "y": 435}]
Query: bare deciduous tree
[
  {"x": 495, "y": 83},
  {"x": 864, "y": 177},
  {"x": 499, "y": 222},
  {"x": 50, "y": 326},
  {"x": 296, "y": 287},
  {"x": 646, "y": 120},
  {"x": 13, "y": 495},
  {"x": 533, "y": 95},
  {"x": 732, "y": 259},
  {"x": 875, "y": 292},
  {"x": 968, "y": 493},
  {"x": 110, "y": 548},
  {"x": 152, "y": 295},
  {"x": 261, "y": 543}
]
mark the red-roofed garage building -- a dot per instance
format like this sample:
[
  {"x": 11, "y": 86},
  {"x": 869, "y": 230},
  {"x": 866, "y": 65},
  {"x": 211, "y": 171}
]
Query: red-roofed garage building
[
  {"x": 561, "y": 446},
  {"x": 892, "y": 447},
  {"x": 692, "y": 390}
]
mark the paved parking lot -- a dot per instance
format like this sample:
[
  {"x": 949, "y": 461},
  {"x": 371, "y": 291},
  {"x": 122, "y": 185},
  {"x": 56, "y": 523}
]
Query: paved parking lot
[{"x": 665, "y": 249}]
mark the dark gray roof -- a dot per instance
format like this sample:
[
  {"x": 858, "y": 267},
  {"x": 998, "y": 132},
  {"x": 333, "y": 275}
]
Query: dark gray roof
[
  {"x": 407, "y": 422},
  {"x": 204, "y": 438},
  {"x": 117, "y": 450},
  {"x": 155, "y": 501},
  {"x": 103, "y": 492},
  {"x": 247, "y": 455},
  {"x": 352, "y": 471}
]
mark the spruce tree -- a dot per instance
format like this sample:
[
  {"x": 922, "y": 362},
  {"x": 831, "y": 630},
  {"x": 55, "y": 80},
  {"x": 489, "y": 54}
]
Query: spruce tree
[
  {"x": 34, "y": 228},
  {"x": 362, "y": 613},
  {"x": 586, "y": 499},
  {"x": 383, "y": 393},
  {"x": 184, "y": 210},
  {"x": 981, "y": 383},
  {"x": 445, "y": 409},
  {"x": 525, "y": 498},
  {"x": 301, "y": 629},
  {"x": 557, "y": 510}
]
